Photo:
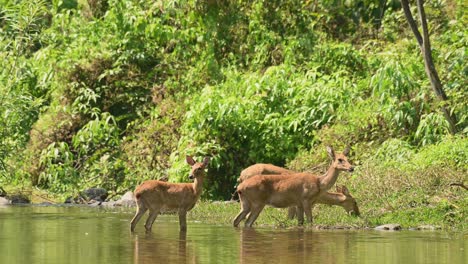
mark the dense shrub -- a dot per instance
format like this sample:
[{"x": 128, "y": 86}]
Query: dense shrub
[{"x": 111, "y": 93}]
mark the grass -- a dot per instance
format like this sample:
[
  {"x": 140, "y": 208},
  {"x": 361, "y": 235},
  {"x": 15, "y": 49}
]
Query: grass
[{"x": 223, "y": 213}]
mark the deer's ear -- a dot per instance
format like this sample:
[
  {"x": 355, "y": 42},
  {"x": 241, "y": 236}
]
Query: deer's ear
[
  {"x": 190, "y": 160},
  {"x": 346, "y": 151},
  {"x": 206, "y": 160},
  {"x": 330, "y": 152}
]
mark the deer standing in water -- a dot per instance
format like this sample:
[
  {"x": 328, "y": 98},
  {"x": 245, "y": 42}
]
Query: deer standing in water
[
  {"x": 341, "y": 197},
  {"x": 157, "y": 196},
  {"x": 298, "y": 189}
]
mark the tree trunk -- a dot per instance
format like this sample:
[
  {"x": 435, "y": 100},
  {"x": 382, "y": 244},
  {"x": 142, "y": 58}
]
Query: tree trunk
[{"x": 425, "y": 46}]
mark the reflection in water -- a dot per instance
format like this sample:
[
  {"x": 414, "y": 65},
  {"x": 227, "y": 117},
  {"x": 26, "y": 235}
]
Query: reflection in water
[
  {"x": 92, "y": 235},
  {"x": 157, "y": 247},
  {"x": 290, "y": 246},
  {"x": 286, "y": 247}
]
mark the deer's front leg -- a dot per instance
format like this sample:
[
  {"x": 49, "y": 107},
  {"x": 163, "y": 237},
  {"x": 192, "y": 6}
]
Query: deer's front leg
[
  {"x": 183, "y": 220},
  {"x": 300, "y": 214},
  {"x": 308, "y": 210}
]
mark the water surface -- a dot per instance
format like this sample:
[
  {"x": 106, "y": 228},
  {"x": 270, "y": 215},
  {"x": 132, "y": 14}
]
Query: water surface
[{"x": 35, "y": 234}]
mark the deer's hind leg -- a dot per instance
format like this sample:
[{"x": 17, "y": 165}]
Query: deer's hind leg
[
  {"x": 308, "y": 205},
  {"x": 141, "y": 210},
  {"x": 245, "y": 210},
  {"x": 151, "y": 218},
  {"x": 292, "y": 212},
  {"x": 255, "y": 212}
]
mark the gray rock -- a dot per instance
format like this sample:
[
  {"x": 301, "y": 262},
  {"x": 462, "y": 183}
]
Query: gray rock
[
  {"x": 44, "y": 204},
  {"x": 94, "y": 203},
  {"x": 18, "y": 199},
  {"x": 2, "y": 192},
  {"x": 4, "y": 201},
  {"x": 389, "y": 227},
  {"x": 127, "y": 200},
  {"x": 98, "y": 194},
  {"x": 428, "y": 227},
  {"x": 108, "y": 204}
]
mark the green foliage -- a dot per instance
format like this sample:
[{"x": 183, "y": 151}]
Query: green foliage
[
  {"x": 59, "y": 174},
  {"x": 449, "y": 152},
  {"x": 253, "y": 118},
  {"x": 111, "y": 93}
]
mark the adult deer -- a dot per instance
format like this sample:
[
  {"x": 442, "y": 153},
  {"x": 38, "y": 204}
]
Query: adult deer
[
  {"x": 157, "y": 196},
  {"x": 341, "y": 197},
  {"x": 298, "y": 189}
]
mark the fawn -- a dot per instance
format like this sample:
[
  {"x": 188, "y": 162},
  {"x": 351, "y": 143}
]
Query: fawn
[{"x": 157, "y": 196}]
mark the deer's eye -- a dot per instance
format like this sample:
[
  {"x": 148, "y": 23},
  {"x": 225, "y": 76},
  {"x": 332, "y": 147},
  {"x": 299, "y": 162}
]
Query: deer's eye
[{"x": 340, "y": 160}]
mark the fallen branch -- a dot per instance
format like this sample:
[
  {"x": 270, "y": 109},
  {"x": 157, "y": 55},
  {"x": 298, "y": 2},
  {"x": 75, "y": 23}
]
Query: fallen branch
[{"x": 459, "y": 185}]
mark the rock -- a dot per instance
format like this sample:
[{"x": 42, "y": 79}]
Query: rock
[
  {"x": 89, "y": 196},
  {"x": 389, "y": 227},
  {"x": 94, "y": 203},
  {"x": 18, "y": 199},
  {"x": 45, "y": 204},
  {"x": 4, "y": 201},
  {"x": 108, "y": 204},
  {"x": 75, "y": 200},
  {"x": 98, "y": 194},
  {"x": 428, "y": 227},
  {"x": 2, "y": 192},
  {"x": 127, "y": 200}
]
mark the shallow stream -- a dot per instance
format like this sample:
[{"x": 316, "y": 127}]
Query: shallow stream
[{"x": 86, "y": 235}]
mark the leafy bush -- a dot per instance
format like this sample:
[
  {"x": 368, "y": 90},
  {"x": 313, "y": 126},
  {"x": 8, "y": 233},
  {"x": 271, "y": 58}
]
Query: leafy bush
[
  {"x": 112, "y": 93},
  {"x": 251, "y": 118}
]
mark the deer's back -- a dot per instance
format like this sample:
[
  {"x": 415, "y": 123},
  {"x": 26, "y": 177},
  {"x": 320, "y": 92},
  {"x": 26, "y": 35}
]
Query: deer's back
[{"x": 261, "y": 168}]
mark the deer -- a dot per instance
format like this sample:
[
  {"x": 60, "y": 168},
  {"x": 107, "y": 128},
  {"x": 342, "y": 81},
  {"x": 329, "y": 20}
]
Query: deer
[
  {"x": 298, "y": 189},
  {"x": 158, "y": 196},
  {"x": 342, "y": 197}
]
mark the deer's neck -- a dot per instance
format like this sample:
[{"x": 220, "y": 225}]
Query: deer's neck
[
  {"x": 332, "y": 198},
  {"x": 329, "y": 179},
  {"x": 198, "y": 186}
]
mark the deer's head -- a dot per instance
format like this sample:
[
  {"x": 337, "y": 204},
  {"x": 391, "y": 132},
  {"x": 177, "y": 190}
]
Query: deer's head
[
  {"x": 198, "y": 168},
  {"x": 349, "y": 203},
  {"x": 340, "y": 160}
]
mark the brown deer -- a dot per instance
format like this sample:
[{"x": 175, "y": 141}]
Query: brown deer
[
  {"x": 342, "y": 197},
  {"x": 157, "y": 196},
  {"x": 298, "y": 189}
]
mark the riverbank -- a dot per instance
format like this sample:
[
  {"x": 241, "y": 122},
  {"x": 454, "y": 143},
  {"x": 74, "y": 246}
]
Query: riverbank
[{"x": 325, "y": 217}]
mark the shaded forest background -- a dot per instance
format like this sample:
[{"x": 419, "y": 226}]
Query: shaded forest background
[{"x": 111, "y": 93}]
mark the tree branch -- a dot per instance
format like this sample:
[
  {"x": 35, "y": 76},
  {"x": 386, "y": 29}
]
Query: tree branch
[
  {"x": 411, "y": 21},
  {"x": 425, "y": 46}
]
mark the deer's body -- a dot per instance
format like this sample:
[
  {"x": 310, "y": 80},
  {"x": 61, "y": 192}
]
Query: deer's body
[
  {"x": 298, "y": 189},
  {"x": 280, "y": 190},
  {"x": 167, "y": 196},
  {"x": 158, "y": 196},
  {"x": 340, "y": 198}
]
